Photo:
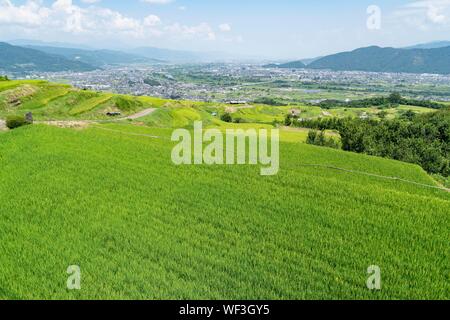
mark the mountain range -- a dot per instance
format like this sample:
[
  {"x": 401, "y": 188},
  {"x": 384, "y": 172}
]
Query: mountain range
[
  {"x": 34, "y": 56},
  {"x": 39, "y": 57},
  {"x": 430, "y": 45},
  {"x": 418, "y": 59},
  {"x": 24, "y": 56},
  {"x": 96, "y": 58},
  {"x": 20, "y": 60}
]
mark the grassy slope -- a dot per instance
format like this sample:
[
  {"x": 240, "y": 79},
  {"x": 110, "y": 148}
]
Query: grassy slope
[
  {"x": 140, "y": 227},
  {"x": 59, "y": 101}
]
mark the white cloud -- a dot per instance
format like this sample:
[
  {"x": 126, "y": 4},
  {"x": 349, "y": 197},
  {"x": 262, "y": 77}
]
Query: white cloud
[
  {"x": 202, "y": 31},
  {"x": 425, "y": 14},
  {"x": 151, "y": 21},
  {"x": 64, "y": 17},
  {"x": 225, "y": 27},
  {"x": 28, "y": 15}
]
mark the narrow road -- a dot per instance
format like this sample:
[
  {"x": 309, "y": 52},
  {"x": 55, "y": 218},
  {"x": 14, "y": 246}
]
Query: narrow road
[
  {"x": 140, "y": 114},
  {"x": 83, "y": 123}
]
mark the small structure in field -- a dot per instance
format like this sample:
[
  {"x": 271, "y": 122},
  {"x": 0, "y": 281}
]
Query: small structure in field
[
  {"x": 295, "y": 112},
  {"x": 29, "y": 117},
  {"x": 237, "y": 102},
  {"x": 113, "y": 114}
]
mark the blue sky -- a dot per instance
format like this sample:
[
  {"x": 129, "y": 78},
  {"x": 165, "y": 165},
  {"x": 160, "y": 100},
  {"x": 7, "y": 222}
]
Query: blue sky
[{"x": 281, "y": 29}]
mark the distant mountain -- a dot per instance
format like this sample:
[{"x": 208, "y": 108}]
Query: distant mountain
[
  {"x": 378, "y": 59},
  {"x": 27, "y": 42},
  {"x": 289, "y": 65},
  {"x": 20, "y": 60},
  {"x": 180, "y": 56},
  {"x": 298, "y": 64},
  {"x": 98, "y": 58},
  {"x": 310, "y": 60},
  {"x": 430, "y": 45},
  {"x": 168, "y": 54}
]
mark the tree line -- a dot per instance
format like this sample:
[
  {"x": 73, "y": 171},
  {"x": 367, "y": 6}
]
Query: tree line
[
  {"x": 420, "y": 139},
  {"x": 392, "y": 100}
]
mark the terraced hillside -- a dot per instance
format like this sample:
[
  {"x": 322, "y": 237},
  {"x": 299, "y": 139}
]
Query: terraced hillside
[
  {"x": 57, "y": 101},
  {"x": 51, "y": 101},
  {"x": 108, "y": 198}
]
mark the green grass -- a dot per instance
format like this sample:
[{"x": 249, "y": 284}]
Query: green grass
[
  {"x": 139, "y": 227},
  {"x": 90, "y": 104},
  {"x": 51, "y": 101},
  {"x": 109, "y": 199}
]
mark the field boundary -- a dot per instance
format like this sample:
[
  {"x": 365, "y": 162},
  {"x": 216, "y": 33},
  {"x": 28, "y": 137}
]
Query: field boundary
[
  {"x": 374, "y": 175},
  {"x": 126, "y": 133}
]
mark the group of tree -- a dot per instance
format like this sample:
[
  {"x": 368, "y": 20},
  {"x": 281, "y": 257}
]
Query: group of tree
[
  {"x": 290, "y": 119},
  {"x": 420, "y": 139},
  {"x": 269, "y": 101},
  {"x": 227, "y": 117},
  {"x": 390, "y": 101},
  {"x": 4, "y": 78},
  {"x": 152, "y": 82},
  {"x": 319, "y": 138},
  {"x": 16, "y": 121}
]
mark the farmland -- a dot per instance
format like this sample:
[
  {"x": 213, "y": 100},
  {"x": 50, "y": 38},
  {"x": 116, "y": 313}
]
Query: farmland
[
  {"x": 140, "y": 227},
  {"x": 108, "y": 198},
  {"x": 51, "y": 101}
]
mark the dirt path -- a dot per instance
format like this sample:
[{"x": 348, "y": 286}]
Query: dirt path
[
  {"x": 85, "y": 123},
  {"x": 140, "y": 114}
]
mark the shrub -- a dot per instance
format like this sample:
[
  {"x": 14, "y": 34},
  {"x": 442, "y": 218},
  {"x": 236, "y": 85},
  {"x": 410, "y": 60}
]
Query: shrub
[
  {"x": 13, "y": 122},
  {"x": 319, "y": 139},
  {"x": 288, "y": 120},
  {"x": 269, "y": 101},
  {"x": 226, "y": 117}
]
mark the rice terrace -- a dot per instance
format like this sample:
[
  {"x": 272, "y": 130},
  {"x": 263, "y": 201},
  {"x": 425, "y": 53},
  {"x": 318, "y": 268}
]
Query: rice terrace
[
  {"x": 106, "y": 196},
  {"x": 214, "y": 159}
]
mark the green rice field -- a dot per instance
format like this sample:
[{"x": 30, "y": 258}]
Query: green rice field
[
  {"x": 106, "y": 196},
  {"x": 109, "y": 199}
]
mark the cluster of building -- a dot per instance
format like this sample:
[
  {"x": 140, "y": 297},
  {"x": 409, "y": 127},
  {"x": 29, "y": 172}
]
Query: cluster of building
[{"x": 238, "y": 83}]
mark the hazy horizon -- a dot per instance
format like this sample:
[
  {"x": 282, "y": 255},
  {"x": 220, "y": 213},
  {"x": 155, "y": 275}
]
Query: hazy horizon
[{"x": 281, "y": 30}]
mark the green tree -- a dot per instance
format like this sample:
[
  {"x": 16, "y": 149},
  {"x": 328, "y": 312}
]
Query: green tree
[
  {"x": 382, "y": 114},
  {"x": 13, "y": 122},
  {"x": 409, "y": 115},
  {"x": 395, "y": 98},
  {"x": 311, "y": 139},
  {"x": 226, "y": 117}
]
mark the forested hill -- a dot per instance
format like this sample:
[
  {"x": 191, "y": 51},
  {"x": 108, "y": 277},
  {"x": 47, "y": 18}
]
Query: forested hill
[
  {"x": 97, "y": 58},
  {"x": 377, "y": 59},
  {"x": 19, "y": 59}
]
